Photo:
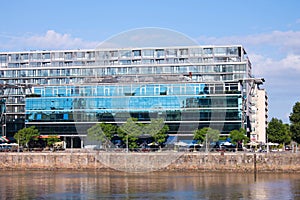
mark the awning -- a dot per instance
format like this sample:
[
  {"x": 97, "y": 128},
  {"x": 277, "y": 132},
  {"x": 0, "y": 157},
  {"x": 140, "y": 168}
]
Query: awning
[
  {"x": 180, "y": 143},
  {"x": 272, "y": 144},
  {"x": 48, "y": 136},
  {"x": 4, "y": 139},
  {"x": 252, "y": 143}
]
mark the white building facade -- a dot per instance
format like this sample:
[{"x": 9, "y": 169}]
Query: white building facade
[{"x": 259, "y": 116}]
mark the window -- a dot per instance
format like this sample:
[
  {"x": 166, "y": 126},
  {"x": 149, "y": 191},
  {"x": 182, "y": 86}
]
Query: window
[
  {"x": 217, "y": 68},
  {"x": 80, "y": 55},
  {"x": 160, "y": 53},
  {"x": 208, "y": 51},
  {"x": 171, "y": 53},
  {"x": 136, "y": 53},
  {"x": 207, "y": 60},
  {"x": 238, "y": 76},
  {"x": 68, "y": 55},
  {"x": 23, "y": 57},
  {"x": 232, "y": 51},
  {"x": 195, "y": 52},
  {"x": 220, "y": 51},
  {"x": 113, "y": 54},
  {"x": 228, "y": 68},
  {"x": 143, "y": 90},
  {"x": 125, "y": 54},
  {"x": 148, "y": 53},
  {"x": 227, "y": 77},
  {"x": 90, "y": 55},
  {"x": 13, "y": 65},
  {"x": 35, "y": 56},
  {"x": 2, "y": 58},
  {"x": 240, "y": 68},
  {"x": 15, "y": 57},
  {"x": 219, "y": 89},
  {"x": 221, "y": 59},
  {"x": 106, "y": 92},
  {"x": 183, "y": 52},
  {"x": 46, "y": 55}
]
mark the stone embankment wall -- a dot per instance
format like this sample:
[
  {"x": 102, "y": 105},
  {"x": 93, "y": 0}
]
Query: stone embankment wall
[{"x": 235, "y": 162}]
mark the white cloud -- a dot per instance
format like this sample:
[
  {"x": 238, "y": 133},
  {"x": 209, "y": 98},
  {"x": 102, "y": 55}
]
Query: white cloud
[
  {"x": 285, "y": 41},
  {"x": 264, "y": 65},
  {"x": 50, "y": 40}
]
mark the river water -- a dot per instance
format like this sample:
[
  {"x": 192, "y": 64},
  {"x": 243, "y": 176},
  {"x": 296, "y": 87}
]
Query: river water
[{"x": 154, "y": 185}]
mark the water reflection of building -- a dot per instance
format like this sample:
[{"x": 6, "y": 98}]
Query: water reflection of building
[
  {"x": 190, "y": 87},
  {"x": 154, "y": 185}
]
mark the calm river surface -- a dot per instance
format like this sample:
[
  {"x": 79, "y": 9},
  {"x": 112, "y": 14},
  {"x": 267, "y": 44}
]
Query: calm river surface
[{"x": 154, "y": 185}]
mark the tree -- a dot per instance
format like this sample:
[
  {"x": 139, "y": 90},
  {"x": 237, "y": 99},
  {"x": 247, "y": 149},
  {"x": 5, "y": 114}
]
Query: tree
[
  {"x": 25, "y": 135},
  {"x": 237, "y": 136},
  {"x": 130, "y": 131},
  {"x": 158, "y": 130},
  {"x": 295, "y": 122},
  {"x": 213, "y": 135},
  {"x": 278, "y": 132},
  {"x": 161, "y": 136},
  {"x": 132, "y": 127},
  {"x": 199, "y": 135},
  {"x": 206, "y": 133},
  {"x": 102, "y": 133}
]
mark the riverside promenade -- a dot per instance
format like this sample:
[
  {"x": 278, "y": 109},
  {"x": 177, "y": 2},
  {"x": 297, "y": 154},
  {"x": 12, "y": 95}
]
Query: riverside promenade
[{"x": 152, "y": 161}]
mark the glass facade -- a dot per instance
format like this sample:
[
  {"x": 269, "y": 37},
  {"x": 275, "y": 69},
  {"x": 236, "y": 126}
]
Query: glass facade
[
  {"x": 190, "y": 87},
  {"x": 178, "y": 104}
]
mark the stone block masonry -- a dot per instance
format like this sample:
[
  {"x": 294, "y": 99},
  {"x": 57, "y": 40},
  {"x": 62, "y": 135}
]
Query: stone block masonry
[{"x": 158, "y": 161}]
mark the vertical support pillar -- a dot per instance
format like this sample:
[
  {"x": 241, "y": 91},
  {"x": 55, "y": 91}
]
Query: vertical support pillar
[
  {"x": 71, "y": 142},
  {"x": 254, "y": 163}
]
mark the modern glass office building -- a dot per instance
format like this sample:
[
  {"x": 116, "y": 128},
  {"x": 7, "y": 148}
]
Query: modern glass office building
[{"x": 65, "y": 92}]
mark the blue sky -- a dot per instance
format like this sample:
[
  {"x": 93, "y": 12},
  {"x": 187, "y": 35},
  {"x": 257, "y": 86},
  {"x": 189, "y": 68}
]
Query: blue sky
[{"x": 269, "y": 31}]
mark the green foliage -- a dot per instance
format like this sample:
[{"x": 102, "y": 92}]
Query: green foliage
[
  {"x": 130, "y": 131},
  {"x": 238, "y": 136},
  {"x": 211, "y": 134},
  {"x": 278, "y": 132},
  {"x": 25, "y": 135},
  {"x": 133, "y": 129},
  {"x": 222, "y": 138},
  {"x": 158, "y": 130},
  {"x": 161, "y": 135},
  {"x": 199, "y": 135},
  {"x": 102, "y": 132},
  {"x": 51, "y": 140},
  {"x": 295, "y": 123},
  {"x": 153, "y": 128}
]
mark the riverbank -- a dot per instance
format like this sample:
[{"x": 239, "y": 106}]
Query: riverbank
[{"x": 152, "y": 161}]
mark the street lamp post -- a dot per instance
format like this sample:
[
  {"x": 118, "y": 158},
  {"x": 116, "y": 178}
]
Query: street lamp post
[
  {"x": 206, "y": 148},
  {"x": 127, "y": 143}
]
